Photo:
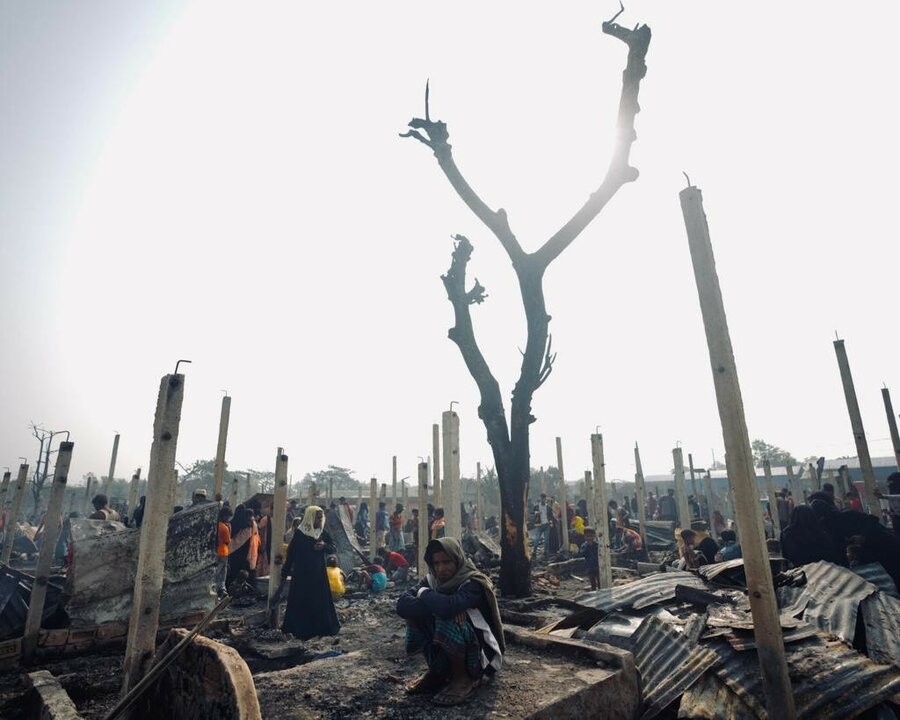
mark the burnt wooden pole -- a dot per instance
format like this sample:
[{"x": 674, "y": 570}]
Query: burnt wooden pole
[
  {"x": 794, "y": 485},
  {"x": 639, "y": 488},
  {"x": 693, "y": 478},
  {"x": 451, "y": 482},
  {"x": 563, "y": 501},
  {"x": 12, "y": 518},
  {"x": 219, "y": 470},
  {"x": 276, "y": 526},
  {"x": 48, "y": 550},
  {"x": 107, "y": 484},
  {"x": 423, "y": 519},
  {"x": 742, "y": 474},
  {"x": 892, "y": 424},
  {"x": 859, "y": 434},
  {"x": 601, "y": 521},
  {"x": 709, "y": 501},
  {"x": 144, "y": 622}
]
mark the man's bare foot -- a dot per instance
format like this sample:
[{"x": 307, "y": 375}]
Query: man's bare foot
[{"x": 427, "y": 684}]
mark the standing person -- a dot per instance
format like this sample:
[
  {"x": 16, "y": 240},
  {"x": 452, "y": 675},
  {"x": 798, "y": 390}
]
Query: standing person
[
  {"x": 453, "y": 619},
  {"x": 589, "y": 551},
  {"x": 667, "y": 506},
  {"x": 438, "y": 527},
  {"x": 361, "y": 527},
  {"x": 199, "y": 497},
  {"x": 651, "y": 506},
  {"x": 893, "y": 499},
  {"x": 292, "y": 512},
  {"x": 542, "y": 516},
  {"x": 223, "y": 540},
  {"x": 381, "y": 525},
  {"x": 395, "y": 536},
  {"x": 852, "y": 501},
  {"x": 310, "y": 607},
  {"x": 412, "y": 526},
  {"x": 804, "y": 540},
  {"x": 138, "y": 515},
  {"x": 783, "y": 508},
  {"x": 242, "y": 548}
]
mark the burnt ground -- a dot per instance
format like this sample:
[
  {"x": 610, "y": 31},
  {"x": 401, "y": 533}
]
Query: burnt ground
[{"x": 361, "y": 673}]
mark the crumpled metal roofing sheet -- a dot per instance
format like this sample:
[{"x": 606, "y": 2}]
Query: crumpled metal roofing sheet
[
  {"x": 835, "y": 593},
  {"x": 640, "y": 593},
  {"x": 881, "y": 616},
  {"x": 668, "y": 664},
  {"x": 828, "y": 678},
  {"x": 877, "y": 575}
]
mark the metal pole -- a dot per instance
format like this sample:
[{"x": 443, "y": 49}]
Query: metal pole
[
  {"x": 859, "y": 434},
  {"x": 48, "y": 550},
  {"x": 739, "y": 459}
]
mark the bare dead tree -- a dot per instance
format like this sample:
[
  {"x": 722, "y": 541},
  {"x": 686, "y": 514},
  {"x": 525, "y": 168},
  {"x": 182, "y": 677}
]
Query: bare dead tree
[
  {"x": 510, "y": 441},
  {"x": 42, "y": 466}
]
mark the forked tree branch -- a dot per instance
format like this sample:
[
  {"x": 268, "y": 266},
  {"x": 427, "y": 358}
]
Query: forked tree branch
[
  {"x": 434, "y": 134},
  {"x": 619, "y": 171},
  {"x": 463, "y": 334}
]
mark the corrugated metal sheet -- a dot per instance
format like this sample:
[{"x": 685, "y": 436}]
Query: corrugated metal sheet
[
  {"x": 828, "y": 678},
  {"x": 640, "y": 593},
  {"x": 877, "y": 575},
  {"x": 711, "y": 699},
  {"x": 881, "y": 616},
  {"x": 834, "y": 596},
  {"x": 668, "y": 664}
]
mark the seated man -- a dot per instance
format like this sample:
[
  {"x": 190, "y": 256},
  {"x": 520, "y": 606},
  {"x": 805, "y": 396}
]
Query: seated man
[
  {"x": 696, "y": 554},
  {"x": 730, "y": 550},
  {"x": 102, "y": 511},
  {"x": 453, "y": 619}
]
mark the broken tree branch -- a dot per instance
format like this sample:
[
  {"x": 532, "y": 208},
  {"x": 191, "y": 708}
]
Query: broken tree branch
[
  {"x": 436, "y": 137},
  {"x": 462, "y": 333},
  {"x": 619, "y": 171}
]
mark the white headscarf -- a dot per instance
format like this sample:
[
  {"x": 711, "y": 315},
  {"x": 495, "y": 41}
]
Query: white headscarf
[{"x": 307, "y": 527}]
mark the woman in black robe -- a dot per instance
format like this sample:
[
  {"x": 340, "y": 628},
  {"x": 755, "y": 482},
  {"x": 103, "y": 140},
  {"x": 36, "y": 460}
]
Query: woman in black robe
[
  {"x": 240, "y": 544},
  {"x": 310, "y": 608}
]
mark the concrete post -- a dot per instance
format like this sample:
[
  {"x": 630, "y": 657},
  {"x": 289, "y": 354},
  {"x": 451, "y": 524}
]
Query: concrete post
[
  {"x": 248, "y": 488},
  {"x": 693, "y": 479},
  {"x": 359, "y": 489},
  {"x": 424, "y": 534},
  {"x": 133, "y": 492},
  {"x": 144, "y": 622},
  {"x": 563, "y": 502},
  {"x": 12, "y": 518},
  {"x": 373, "y": 518},
  {"x": 404, "y": 498},
  {"x": 639, "y": 485},
  {"x": 233, "y": 500},
  {"x": 383, "y": 495},
  {"x": 478, "y": 508},
  {"x": 86, "y": 504},
  {"x": 314, "y": 497},
  {"x": 436, "y": 466},
  {"x": 219, "y": 471},
  {"x": 451, "y": 486},
  {"x": 739, "y": 459},
  {"x": 773, "y": 499},
  {"x": 815, "y": 483},
  {"x": 393, "y": 483},
  {"x": 684, "y": 512},
  {"x": 4, "y": 488},
  {"x": 112, "y": 466},
  {"x": 892, "y": 424},
  {"x": 599, "y": 510},
  {"x": 276, "y": 526},
  {"x": 48, "y": 550},
  {"x": 709, "y": 501},
  {"x": 859, "y": 434}
]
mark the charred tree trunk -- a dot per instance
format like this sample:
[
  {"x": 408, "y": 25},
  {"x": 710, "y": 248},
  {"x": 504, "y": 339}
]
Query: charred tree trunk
[{"x": 510, "y": 441}]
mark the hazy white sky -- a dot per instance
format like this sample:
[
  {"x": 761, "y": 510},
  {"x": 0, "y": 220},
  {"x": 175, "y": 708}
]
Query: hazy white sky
[{"x": 224, "y": 182}]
